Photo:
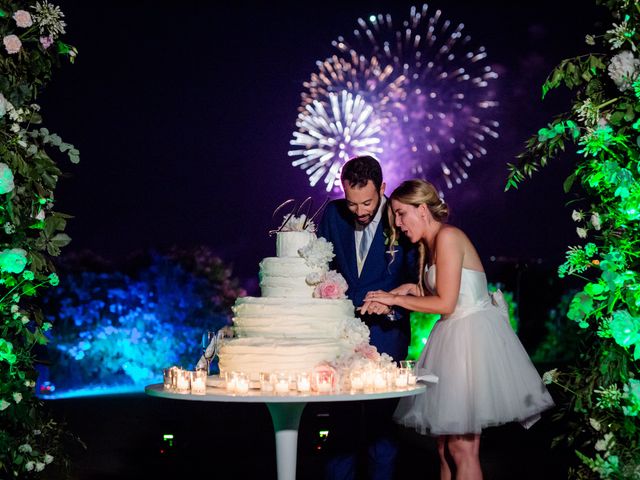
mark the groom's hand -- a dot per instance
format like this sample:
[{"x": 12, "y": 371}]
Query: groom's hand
[{"x": 375, "y": 308}]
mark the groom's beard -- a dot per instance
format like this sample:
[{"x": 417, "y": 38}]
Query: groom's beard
[{"x": 366, "y": 219}]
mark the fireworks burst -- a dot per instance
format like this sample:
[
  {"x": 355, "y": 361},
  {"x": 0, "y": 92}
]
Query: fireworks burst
[
  {"x": 330, "y": 136},
  {"x": 428, "y": 87}
]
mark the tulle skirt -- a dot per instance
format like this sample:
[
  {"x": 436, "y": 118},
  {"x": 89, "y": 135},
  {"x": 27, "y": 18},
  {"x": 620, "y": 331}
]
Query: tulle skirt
[{"x": 485, "y": 376}]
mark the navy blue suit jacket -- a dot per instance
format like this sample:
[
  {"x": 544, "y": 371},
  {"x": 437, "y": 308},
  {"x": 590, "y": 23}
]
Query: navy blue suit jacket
[{"x": 378, "y": 273}]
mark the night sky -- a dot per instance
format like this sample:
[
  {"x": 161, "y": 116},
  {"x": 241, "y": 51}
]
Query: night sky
[{"x": 183, "y": 113}]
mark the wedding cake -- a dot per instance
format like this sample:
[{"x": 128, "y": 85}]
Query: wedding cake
[{"x": 303, "y": 318}]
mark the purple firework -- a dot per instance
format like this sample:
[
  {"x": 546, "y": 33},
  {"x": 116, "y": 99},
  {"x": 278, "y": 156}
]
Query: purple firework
[{"x": 431, "y": 91}]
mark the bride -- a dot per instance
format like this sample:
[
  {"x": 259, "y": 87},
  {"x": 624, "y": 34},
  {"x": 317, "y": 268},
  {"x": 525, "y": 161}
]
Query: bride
[{"x": 486, "y": 377}]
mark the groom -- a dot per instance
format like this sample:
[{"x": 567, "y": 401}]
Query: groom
[{"x": 358, "y": 227}]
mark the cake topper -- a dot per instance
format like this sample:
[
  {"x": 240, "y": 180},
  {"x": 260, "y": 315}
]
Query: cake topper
[{"x": 301, "y": 211}]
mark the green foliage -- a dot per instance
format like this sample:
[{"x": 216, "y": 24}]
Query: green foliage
[
  {"x": 601, "y": 388},
  {"x": 31, "y": 231},
  {"x": 561, "y": 343}
]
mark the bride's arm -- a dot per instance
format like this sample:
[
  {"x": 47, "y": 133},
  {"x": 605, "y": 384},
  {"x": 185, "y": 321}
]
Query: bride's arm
[{"x": 449, "y": 257}]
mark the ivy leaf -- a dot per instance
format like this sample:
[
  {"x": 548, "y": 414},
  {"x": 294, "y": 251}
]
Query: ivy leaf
[
  {"x": 61, "y": 240},
  {"x": 40, "y": 338},
  {"x": 580, "y": 307},
  {"x": 629, "y": 114},
  {"x": 568, "y": 183},
  {"x": 595, "y": 64},
  {"x": 53, "y": 224},
  {"x": 37, "y": 261},
  {"x": 573, "y": 128},
  {"x": 559, "y": 128},
  {"x": 616, "y": 118},
  {"x": 545, "y": 134},
  {"x": 613, "y": 279},
  {"x": 594, "y": 289}
]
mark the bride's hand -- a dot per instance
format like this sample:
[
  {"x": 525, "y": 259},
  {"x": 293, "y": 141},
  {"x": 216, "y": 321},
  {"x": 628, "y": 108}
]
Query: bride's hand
[
  {"x": 380, "y": 296},
  {"x": 374, "y": 308},
  {"x": 405, "y": 289}
]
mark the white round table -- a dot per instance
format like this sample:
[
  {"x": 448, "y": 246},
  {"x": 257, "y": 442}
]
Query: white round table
[{"x": 286, "y": 411}]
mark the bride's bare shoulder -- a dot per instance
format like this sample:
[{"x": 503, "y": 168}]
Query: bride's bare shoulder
[{"x": 449, "y": 233}]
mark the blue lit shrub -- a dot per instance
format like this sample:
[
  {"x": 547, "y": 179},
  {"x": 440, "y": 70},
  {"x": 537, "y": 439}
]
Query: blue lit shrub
[{"x": 120, "y": 327}]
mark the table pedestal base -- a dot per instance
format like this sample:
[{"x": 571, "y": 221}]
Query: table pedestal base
[{"x": 286, "y": 420}]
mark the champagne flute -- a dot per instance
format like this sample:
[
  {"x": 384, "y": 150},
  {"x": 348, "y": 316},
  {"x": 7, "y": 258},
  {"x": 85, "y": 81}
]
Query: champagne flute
[{"x": 208, "y": 337}]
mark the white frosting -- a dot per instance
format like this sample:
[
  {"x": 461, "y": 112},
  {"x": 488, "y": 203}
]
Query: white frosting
[
  {"x": 256, "y": 354},
  {"x": 284, "y": 318},
  {"x": 285, "y": 277},
  {"x": 288, "y": 243}
]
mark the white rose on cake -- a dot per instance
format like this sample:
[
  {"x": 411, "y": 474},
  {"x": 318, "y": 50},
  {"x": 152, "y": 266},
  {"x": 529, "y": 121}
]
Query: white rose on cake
[
  {"x": 355, "y": 332},
  {"x": 317, "y": 253}
]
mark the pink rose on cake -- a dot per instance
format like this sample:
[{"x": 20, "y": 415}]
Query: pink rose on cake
[
  {"x": 331, "y": 285},
  {"x": 368, "y": 351}
]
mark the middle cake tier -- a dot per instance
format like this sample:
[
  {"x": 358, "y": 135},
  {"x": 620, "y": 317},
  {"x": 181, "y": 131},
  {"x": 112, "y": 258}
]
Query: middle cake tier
[
  {"x": 292, "y": 317},
  {"x": 286, "y": 277}
]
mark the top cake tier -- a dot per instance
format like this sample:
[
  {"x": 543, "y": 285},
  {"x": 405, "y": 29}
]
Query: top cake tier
[{"x": 289, "y": 243}]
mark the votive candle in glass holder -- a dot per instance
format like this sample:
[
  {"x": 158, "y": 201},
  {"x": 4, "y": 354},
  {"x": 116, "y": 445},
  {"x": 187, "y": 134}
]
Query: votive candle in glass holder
[
  {"x": 410, "y": 365},
  {"x": 402, "y": 378},
  {"x": 303, "y": 382},
  {"x": 199, "y": 382},
  {"x": 282, "y": 383},
  {"x": 183, "y": 381},
  {"x": 379, "y": 379},
  {"x": 368, "y": 375},
  {"x": 356, "y": 377},
  {"x": 324, "y": 381},
  {"x": 391, "y": 372},
  {"x": 230, "y": 381},
  {"x": 267, "y": 380},
  {"x": 242, "y": 382},
  {"x": 167, "y": 377}
]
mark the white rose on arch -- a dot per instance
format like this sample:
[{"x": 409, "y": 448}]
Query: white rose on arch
[
  {"x": 623, "y": 70},
  {"x": 6, "y": 178},
  {"x": 4, "y": 105}
]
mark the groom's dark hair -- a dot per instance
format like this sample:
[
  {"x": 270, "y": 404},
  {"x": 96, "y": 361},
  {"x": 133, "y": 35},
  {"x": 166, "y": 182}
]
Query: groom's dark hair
[{"x": 359, "y": 170}]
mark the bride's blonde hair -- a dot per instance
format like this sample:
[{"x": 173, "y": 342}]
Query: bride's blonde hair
[{"x": 417, "y": 192}]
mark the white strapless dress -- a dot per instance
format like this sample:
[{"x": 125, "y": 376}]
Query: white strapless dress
[{"x": 485, "y": 376}]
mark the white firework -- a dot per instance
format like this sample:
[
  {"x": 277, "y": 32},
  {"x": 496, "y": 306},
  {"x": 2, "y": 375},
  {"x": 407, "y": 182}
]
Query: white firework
[{"x": 328, "y": 136}]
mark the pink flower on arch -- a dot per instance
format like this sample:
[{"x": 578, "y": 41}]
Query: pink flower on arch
[
  {"x": 46, "y": 42},
  {"x": 12, "y": 44},
  {"x": 23, "y": 19}
]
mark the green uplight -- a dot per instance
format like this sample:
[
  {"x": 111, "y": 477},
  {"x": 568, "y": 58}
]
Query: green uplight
[{"x": 421, "y": 326}]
